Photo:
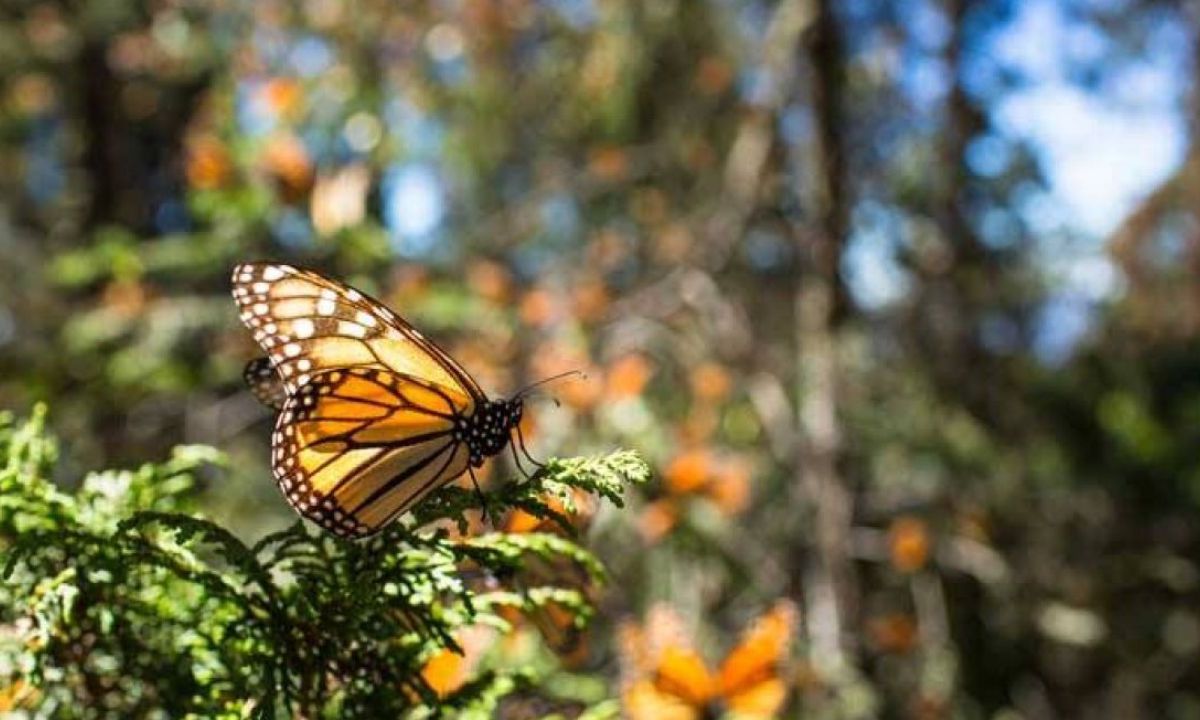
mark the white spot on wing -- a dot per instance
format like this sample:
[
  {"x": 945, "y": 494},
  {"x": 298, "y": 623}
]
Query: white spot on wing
[
  {"x": 352, "y": 329},
  {"x": 304, "y": 328},
  {"x": 271, "y": 273},
  {"x": 325, "y": 307}
]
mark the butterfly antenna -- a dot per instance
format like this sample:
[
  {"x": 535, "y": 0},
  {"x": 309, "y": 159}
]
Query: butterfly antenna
[{"x": 525, "y": 390}]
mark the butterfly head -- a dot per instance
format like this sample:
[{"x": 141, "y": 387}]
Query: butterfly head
[{"x": 489, "y": 430}]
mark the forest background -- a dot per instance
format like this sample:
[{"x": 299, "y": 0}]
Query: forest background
[{"x": 899, "y": 299}]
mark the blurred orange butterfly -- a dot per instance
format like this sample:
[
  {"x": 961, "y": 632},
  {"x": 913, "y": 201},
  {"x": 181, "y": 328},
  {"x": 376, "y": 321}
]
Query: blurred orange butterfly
[
  {"x": 558, "y": 627},
  {"x": 698, "y": 473},
  {"x": 447, "y": 670},
  {"x": 578, "y": 518},
  {"x": 664, "y": 678},
  {"x": 373, "y": 415}
]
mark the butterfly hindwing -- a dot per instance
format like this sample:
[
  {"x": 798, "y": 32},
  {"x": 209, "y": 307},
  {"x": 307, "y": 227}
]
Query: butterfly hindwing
[
  {"x": 355, "y": 448},
  {"x": 309, "y": 324},
  {"x": 644, "y": 701},
  {"x": 264, "y": 383}
]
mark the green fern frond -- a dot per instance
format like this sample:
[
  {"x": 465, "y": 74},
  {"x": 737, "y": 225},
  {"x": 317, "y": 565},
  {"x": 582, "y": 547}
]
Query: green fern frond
[{"x": 118, "y": 600}]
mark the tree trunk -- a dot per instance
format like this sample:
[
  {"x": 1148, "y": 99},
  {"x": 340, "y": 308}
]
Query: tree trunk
[{"x": 830, "y": 594}]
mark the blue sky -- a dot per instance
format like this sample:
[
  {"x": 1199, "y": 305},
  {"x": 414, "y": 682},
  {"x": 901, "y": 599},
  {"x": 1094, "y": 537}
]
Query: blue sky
[{"x": 1101, "y": 149}]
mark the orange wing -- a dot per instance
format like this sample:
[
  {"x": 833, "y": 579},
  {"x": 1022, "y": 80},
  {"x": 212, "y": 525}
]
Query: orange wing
[
  {"x": 446, "y": 670},
  {"x": 749, "y": 680},
  {"x": 308, "y": 323},
  {"x": 353, "y": 449},
  {"x": 520, "y": 521},
  {"x": 681, "y": 672},
  {"x": 643, "y": 700},
  {"x": 662, "y": 675}
]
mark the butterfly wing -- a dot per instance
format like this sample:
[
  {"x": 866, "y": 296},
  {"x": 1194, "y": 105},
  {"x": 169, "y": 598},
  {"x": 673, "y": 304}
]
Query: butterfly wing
[
  {"x": 353, "y": 449},
  {"x": 308, "y": 324},
  {"x": 264, "y": 384},
  {"x": 682, "y": 673},
  {"x": 578, "y": 518},
  {"x": 662, "y": 675},
  {"x": 749, "y": 679},
  {"x": 644, "y": 701}
]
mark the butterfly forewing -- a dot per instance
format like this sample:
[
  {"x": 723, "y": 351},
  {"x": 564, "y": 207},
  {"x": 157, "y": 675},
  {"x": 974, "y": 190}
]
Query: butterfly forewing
[
  {"x": 308, "y": 324},
  {"x": 356, "y": 448},
  {"x": 750, "y": 678},
  {"x": 763, "y": 645}
]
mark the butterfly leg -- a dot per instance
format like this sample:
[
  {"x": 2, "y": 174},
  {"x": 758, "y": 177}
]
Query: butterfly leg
[
  {"x": 483, "y": 501},
  {"x": 517, "y": 461},
  {"x": 525, "y": 450}
]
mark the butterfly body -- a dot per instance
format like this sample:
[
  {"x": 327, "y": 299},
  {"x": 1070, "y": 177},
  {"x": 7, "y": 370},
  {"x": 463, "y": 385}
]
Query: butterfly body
[
  {"x": 373, "y": 415},
  {"x": 489, "y": 430}
]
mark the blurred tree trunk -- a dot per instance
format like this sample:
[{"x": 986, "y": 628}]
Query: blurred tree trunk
[
  {"x": 958, "y": 282},
  {"x": 133, "y": 162},
  {"x": 102, "y": 150},
  {"x": 830, "y": 595},
  {"x": 962, "y": 122}
]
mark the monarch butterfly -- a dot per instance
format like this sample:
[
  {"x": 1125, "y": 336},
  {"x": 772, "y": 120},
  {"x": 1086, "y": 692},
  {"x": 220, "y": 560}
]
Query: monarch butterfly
[
  {"x": 666, "y": 679},
  {"x": 373, "y": 415}
]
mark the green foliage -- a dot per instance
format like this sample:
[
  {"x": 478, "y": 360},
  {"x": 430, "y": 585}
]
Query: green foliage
[{"x": 119, "y": 603}]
